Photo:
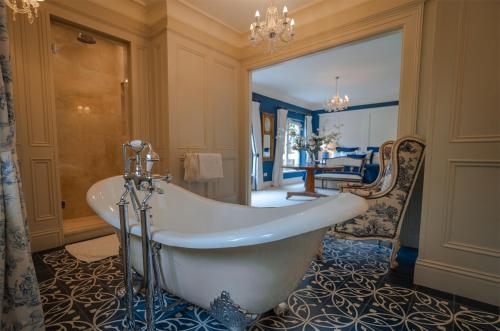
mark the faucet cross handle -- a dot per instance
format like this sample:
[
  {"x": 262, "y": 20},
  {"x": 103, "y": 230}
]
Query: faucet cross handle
[{"x": 151, "y": 158}]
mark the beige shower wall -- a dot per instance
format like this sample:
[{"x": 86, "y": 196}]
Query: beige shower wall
[{"x": 91, "y": 113}]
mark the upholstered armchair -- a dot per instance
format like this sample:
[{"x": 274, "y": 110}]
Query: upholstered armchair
[{"x": 388, "y": 199}]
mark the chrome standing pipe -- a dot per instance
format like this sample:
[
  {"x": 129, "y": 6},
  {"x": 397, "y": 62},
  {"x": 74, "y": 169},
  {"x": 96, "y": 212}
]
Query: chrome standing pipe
[
  {"x": 147, "y": 263},
  {"x": 127, "y": 267},
  {"x": 139, "y": 178}
]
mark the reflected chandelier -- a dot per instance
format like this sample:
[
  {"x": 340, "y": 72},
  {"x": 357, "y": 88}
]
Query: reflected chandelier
[
  {"x": 276, "y": 31},
  {"x": 336, "y": 103},
  {"x": 29, "y": 7}
]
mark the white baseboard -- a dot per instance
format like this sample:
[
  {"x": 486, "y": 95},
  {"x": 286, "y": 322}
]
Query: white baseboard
[{"x": 460, "y": 281}]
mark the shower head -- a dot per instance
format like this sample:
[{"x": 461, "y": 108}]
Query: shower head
[{"x": 86, "y": 38}]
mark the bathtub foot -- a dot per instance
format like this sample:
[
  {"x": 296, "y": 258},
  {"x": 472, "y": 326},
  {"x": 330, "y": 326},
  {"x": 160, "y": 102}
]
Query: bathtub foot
[
  {"x": 226, "y": 312},
  {"x": 281, "y": 309},
  {"x": 319, "y": 254}
]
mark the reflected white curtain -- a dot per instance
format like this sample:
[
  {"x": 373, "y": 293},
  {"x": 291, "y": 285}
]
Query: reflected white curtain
[
  {"x": 309, "y": 126},
  {"x": 20, "y": 303},
  {"x": 309, "y": 130},
  {"x": 279, "y": 148},
  {"x": 257, "y": 134}
]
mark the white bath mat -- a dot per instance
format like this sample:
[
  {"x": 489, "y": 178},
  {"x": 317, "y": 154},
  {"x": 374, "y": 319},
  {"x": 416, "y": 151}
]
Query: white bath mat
[{"x": 95, "y": 249}]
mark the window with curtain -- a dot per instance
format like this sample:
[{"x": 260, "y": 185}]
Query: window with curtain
[{"x": 290, "y": 156}]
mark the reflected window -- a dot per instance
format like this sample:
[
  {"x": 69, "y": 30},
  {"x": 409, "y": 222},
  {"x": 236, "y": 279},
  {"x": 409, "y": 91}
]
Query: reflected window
[{"x": 291, "y": 157}]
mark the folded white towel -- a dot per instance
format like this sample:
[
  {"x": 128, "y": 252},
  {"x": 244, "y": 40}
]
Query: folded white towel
[
  {"x": 210, "y": 165},
  {"x": 202, "y": 166},
  {"x": 191, "y": 167}
]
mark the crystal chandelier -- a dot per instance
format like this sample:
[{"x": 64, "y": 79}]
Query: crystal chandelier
[
  {"x": 336, "y": 103},
  {"x": 29, "y": 7},
  {"x": 275, "y": 31}
]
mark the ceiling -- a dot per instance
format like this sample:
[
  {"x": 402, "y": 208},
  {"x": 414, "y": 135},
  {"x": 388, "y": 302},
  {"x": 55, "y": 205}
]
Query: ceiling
[
  {"x": 238, "y": 14},
  {"x": 369, "y": 72}
]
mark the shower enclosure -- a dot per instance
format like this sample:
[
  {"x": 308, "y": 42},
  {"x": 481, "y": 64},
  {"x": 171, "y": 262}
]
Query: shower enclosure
[{"x": 92, "y": 121}]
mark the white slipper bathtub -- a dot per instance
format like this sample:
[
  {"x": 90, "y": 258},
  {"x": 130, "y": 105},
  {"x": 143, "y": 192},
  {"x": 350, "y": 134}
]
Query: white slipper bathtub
[{"x": 257, "y": 255}]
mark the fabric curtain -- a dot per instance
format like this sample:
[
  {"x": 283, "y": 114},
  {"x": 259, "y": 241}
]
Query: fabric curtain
[
  {"x": 279, "y": 148},
  {"x": 309, "y": 131},
  {"x": 309, "y": 126},
  {"x": 20, "y": 304},
  {"x": 257, "y": 135}
]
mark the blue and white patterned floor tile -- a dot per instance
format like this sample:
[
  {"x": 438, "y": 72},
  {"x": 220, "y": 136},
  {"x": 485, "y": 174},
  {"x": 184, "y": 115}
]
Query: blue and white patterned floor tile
[{"x": 351, "y": 288}]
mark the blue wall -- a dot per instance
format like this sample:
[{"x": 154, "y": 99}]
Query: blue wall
[
  {"x": 316, "y": 113},
  {"x": 270, "y": 105}
]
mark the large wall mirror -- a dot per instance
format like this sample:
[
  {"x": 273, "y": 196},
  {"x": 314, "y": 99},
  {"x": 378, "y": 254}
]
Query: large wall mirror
[{"x": 267, "y": 121}]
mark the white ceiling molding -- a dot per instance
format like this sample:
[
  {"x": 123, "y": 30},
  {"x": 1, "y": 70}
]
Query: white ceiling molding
[
  {"x": 197, "y": 9},
  {"x": 237, "y": 15},
  {"x": 281, "y": 97},
  {"x": 185, "y": 13},
  {"x": 141, "y": 2}
]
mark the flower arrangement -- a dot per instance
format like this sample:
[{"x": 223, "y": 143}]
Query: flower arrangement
[{"x": 315, "y": 143}]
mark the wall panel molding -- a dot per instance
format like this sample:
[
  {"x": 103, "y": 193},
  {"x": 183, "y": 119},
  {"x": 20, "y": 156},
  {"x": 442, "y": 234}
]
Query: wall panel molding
[
  {"x": 43, "y": 189},
  {"x": 450, "y": 209},
  {"x": 463, "y": 45}
]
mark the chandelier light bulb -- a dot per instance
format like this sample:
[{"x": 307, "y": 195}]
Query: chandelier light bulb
[
  {"x": 28, "y": 7},
  {"x": 274, "y": 31}
]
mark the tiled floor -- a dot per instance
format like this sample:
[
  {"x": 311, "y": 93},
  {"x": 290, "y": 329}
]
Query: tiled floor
[{"x": 351, "y": 289}]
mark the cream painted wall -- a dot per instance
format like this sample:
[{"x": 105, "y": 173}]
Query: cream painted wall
[
  {"x": 203, "y": 113},
  {"x": 459, "y": 112}
]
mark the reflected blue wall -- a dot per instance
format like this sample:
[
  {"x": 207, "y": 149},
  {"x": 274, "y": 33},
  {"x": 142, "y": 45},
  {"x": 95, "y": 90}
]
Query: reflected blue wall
[{"x": 270, "y": 105}]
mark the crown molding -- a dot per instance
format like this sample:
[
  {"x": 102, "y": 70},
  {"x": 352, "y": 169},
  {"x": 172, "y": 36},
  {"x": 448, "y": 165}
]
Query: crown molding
[
  {"x": 270, "y": 93},
  {"x": 88, "y": 9},
  {"x": 189, "y": 15},
  {"x": 213, "y": 18}
]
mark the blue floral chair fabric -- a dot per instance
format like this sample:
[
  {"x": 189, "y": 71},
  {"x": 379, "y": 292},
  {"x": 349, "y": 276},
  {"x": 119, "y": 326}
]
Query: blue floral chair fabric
[
  {"x": 388, "y": 199},
  {"x": 20, "y": 304}
]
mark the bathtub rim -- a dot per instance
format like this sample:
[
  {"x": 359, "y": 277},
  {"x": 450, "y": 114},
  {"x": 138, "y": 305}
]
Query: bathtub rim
[{"x": 319, "y": 215}]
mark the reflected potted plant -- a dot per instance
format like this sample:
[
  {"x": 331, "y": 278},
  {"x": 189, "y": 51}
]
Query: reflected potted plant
[{"x": 314, "y": 144}]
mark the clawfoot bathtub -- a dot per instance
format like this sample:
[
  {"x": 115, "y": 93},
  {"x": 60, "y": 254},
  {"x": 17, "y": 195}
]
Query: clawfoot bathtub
[{"x": 257, "y": 255}]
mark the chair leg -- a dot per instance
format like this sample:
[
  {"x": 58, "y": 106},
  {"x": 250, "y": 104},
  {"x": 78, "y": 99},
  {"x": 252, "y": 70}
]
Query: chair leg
[{"x": 394, "y": 253}]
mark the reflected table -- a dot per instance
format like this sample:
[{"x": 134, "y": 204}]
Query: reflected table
[{"x": 310, "y": 188}]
